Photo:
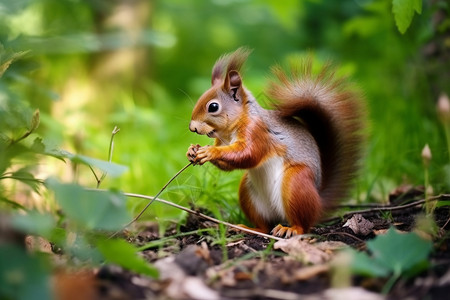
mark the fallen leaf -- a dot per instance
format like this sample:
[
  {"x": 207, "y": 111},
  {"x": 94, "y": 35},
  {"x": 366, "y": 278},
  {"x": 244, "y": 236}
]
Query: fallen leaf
[
  {"x": 180, "y": 285},
  {"x": 37, "y": 243},
  {"x": 359, "y": 225},
  {"x": 331, "y": 245},
  {"x": 308, "y": 253},
  {"x": 311, "y": 271},
  {"x": 195, "y": 288},
  {"x": 352, "y": 293},
  {"x": 380, "y": 231}
]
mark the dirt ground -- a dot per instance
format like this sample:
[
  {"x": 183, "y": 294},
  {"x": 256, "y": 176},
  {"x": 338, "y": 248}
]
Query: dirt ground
[
  {"x": 246, "y": 266},
  {"x": 195, "y": 263}
]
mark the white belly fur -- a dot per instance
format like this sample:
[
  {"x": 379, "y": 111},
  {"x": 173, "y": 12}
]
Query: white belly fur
[{"x": 264, "y": 185}]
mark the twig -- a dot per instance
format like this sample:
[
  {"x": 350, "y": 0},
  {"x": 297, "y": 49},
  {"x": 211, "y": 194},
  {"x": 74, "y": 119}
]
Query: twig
[
  {"x": 95, "y": 175},
  {"x": 197, "y": 214},
  {"x": 151, "y": 200},
  {"x": 446, "y": 223},
  {"x": 155, "y": 198},
  {"x": 390, "y": 208}
]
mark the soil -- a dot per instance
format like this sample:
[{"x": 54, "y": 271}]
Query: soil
[{"x": 246, "y": 266}]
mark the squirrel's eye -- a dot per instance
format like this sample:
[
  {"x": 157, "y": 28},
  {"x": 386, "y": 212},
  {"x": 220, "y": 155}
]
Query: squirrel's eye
[{"x": 213, "y": 107}]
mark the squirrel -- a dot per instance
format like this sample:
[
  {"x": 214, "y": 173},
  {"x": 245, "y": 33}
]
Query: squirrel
[{"x": 301, "y": 155}]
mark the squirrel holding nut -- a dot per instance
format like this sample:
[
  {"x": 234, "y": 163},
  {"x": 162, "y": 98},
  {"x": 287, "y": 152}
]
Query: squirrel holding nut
[{"x": 301, "y": 155}]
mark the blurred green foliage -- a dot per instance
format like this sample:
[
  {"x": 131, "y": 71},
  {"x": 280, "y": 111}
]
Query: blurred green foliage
[
  {"x": 72, "y": 70},
  {"x": 141, "y": 65},
  {"x": 393, "y": 255}
]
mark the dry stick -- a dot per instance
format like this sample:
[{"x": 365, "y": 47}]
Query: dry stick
[
  {"x": 155, "y": 198},
  {"x": 187, "y": 210},
  {"x": 198, "y": 214},
  {"x": 151, "y": 201},
  {"x": 446, "y": 223},
  {"x": 390, "y": 208}
]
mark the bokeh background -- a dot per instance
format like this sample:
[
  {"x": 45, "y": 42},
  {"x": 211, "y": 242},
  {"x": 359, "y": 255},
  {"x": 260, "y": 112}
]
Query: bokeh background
[{"x": 141, "y": 65}]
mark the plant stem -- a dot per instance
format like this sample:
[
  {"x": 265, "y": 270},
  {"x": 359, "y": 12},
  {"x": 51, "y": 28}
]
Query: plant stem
[
  {"x": 151, "y": 200},
  {"x": 200, "y": 215},
  {"x": 390, "y": 283},
  {"x": 447, "y": 136},
  {"x": 110, "y": 154}
]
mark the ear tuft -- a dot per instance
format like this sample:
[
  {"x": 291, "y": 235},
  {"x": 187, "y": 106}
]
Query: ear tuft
[
  {"x": 228, "y": 63},
  {"x": 235, "y": 79}
]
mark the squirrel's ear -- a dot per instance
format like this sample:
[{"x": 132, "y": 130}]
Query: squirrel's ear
[{"x": 233, "y": 85}]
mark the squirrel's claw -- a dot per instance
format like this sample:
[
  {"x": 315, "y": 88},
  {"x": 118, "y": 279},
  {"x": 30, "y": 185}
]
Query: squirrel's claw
[
  {"x": 192, "y": 153},
  {"x": 199, "y": 155},
  {"x": 287, "y": 232}
]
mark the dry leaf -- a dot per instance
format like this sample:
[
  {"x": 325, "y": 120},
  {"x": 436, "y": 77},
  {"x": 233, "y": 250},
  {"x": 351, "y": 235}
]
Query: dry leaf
[
  {"x": 308, "y": 253},
  {"x": 331, "y": 245},
  {"x": 37, "y": 243},
  {"x": 180, "y": 285},
  {"x": 380, "y": 231},
  {"x": 351, "y": 293},
  {"x": 310, "y": 272},
  {"x": 359, "y": 225}
]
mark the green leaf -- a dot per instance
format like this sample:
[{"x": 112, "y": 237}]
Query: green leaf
[
  {"x": 23, "y": 276},
  {"x": 25, "y": 176},
  {"x": 90, "y": 208},
  {"x": 365, "y": 265},
  {"x": 443, "y": 203},
  {"x": 38, "y": 145},
  {"x": 403, "y": 11},
  {"x": 34, "y": 124},
  {"x": 122, "y": 253},
  {"x": 112, "y": 169},
  {"x": 35, "y": 223},
  {"x": 393, "y": 252},
  {"x": 12, "y": 203},
  {"x": 8, "y": 59},
  {"x": 399, "y": 252}
]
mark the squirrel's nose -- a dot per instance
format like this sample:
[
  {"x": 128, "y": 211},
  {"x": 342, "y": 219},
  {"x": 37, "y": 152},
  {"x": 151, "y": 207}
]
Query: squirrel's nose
[{"x": 192, "y": 127}]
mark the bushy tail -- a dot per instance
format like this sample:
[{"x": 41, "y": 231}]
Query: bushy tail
[{"x": 335, "y": 115}]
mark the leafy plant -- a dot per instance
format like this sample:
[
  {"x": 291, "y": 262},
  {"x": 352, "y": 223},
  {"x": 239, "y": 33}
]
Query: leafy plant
[
  {"x": 392, "y": 255},
  {"x": 23, "y": 276},
  {"x": 404, "y": 12},
  {"x": 84, "y": 215},
  {"x": 125, "y": 255}
]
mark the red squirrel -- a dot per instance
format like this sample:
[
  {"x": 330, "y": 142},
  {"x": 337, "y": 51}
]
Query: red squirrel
[{"x": 301, "y": 155}]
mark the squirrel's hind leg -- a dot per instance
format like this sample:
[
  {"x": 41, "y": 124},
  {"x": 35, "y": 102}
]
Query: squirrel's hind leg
[
  {"x": 249, "y": 210},
  {"x": 301, "y": 201}
]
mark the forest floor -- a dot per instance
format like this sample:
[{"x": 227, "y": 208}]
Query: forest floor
[{"x": 194, "y": 263}]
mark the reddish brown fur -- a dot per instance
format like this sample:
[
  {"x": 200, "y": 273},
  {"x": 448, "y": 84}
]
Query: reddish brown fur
[
  {"x": 301, "y": 199},
  {"x": 250, "y": 148},
  {"x": 331, "y": 112},
  {"x": 337, "y": 125}
]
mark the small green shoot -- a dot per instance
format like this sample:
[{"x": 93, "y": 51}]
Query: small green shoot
[
  {"x": 426, "y": 159},
  {"x": 443, "y": 111}
]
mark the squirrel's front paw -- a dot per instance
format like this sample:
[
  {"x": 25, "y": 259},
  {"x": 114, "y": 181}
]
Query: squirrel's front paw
[
  {"x": 203, "y": 155},
  {"x": 199, "y": 155},
  {"x": 192, "y": 152}
]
